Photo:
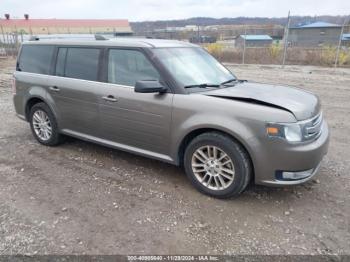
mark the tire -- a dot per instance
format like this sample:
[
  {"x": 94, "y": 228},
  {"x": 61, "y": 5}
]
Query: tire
[
  {"x": 42, "y": 110},
  {"x": 230, "y": 175}
]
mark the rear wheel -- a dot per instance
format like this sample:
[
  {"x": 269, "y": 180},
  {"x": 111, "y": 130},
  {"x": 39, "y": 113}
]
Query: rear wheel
[
  {"x": 217, "y": 165},
  {"x": 43, "y": 125}
]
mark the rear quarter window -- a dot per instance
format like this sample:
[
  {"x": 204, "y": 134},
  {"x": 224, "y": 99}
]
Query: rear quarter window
[{"x": 35, "y": 59}]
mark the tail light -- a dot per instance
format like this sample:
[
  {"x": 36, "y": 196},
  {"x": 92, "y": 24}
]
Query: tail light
[{"x": 13, "y": 85}]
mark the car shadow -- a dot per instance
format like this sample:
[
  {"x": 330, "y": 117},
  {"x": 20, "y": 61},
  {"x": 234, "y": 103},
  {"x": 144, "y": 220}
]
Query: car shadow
[{"x": 175, "y": 175}]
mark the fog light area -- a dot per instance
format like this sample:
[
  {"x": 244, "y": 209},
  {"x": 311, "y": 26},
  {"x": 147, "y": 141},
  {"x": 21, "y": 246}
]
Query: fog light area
[{"x": 296, "y": 175}]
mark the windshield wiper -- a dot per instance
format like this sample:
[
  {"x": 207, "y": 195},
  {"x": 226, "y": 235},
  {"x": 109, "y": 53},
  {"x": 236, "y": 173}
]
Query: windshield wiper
[
  {"x": 202, "y": 85},
  {"x": 229, "y": 81}
]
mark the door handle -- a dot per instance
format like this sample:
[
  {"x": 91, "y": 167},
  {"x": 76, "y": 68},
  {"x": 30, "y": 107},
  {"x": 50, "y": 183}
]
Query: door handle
[
  {"x": 54, "y": 88},
  {"x": 110, "y": 98}
]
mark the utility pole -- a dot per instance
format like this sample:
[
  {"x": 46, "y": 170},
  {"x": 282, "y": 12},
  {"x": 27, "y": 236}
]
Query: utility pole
[
  {"x": 244, "y": 44},
  {"x": 286, "y": 33},
  {"x": 3, "y": 34},
  {"x": 339, "y": 44},
  {"x": 198, "y": 34},
  {"x": 166, "y": 30}
]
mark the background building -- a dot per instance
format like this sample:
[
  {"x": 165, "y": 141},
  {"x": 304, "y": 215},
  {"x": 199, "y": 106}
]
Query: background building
[
  {"x": 202, "y": 39},
  {"x": 346, "y": 40},
  {"x": 253, "y": 41},
  {"x": 314, "y": 34},
  {"x": 64, "y": 26}
]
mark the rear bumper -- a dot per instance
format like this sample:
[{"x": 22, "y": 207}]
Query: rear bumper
[
  {"x": 19, "y": 106},
  {"x": 277, "y": 156},
  {"x": 21, "y": 117}
]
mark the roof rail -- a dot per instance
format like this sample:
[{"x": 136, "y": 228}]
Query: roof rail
[
  {"x": 100, "y": 37},
  {"x": 34, "y": 38}
]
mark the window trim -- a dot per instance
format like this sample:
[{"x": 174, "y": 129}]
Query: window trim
[{"x": 56, "y": 59}]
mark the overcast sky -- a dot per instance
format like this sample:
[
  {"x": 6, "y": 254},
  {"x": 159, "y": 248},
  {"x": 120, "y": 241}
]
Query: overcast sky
[{"x": 140, "y": 10}]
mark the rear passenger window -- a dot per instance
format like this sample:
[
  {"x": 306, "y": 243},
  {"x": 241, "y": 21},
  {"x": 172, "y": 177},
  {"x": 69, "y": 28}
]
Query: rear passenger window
[
  {"x": 80, "y": 63},
  {"x": 35, "y": 59},
  {"x": 126, "y": 67}
]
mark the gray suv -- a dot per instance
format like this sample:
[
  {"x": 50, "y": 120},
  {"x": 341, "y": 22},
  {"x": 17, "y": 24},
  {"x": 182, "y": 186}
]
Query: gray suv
[{"x": 174, "y": 102}]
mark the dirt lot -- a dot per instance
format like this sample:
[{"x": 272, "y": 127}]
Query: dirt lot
[{"x": 81, "y": 198}]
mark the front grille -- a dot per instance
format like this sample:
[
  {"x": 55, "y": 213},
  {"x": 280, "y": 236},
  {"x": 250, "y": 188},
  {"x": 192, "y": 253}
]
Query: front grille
[{"x": 312, "y": 128}]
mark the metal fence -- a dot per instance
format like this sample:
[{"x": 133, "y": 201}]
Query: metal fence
[
  {"x": 322, "y": 46},
  {"x": 232, "y": 44},
  {"x": 10, "y": 43}
]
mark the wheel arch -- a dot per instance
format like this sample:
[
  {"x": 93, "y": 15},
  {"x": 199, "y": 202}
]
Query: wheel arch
[
  {"x": 30, "y": 103},
  {"x": 196, "y": 132},
  {"x": 33, "y": 100}
]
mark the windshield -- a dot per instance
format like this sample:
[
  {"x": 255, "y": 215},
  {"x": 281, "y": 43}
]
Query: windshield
[{"x": 193, "y": 66}]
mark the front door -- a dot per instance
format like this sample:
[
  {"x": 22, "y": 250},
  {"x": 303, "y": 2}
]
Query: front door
[{"x": 136, "y": 120}]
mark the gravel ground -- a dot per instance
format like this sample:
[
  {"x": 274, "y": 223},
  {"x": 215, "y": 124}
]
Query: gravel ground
[{"x": 81, "y": 198}]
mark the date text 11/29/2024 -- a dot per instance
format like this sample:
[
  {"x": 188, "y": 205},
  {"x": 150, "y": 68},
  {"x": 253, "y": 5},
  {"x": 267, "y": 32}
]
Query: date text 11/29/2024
[{"x": 173, "y": 258}]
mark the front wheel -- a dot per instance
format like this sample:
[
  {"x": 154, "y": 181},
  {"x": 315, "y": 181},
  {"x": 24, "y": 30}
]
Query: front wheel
[{"x": 217, "y": 165}]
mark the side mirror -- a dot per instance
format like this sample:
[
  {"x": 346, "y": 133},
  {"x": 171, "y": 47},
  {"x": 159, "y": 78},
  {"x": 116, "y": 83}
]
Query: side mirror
[{"x": 149, "y": 86}]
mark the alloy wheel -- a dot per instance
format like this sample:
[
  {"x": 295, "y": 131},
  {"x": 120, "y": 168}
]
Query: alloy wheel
[
  {"x": 42, "y": 125},
  {"x": 212, "y": 167}
]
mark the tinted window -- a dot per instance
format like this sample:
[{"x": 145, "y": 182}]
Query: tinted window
[
  {"x": 35, "y": 59},
  {"x": 81, "y": 63},
  {"x": 126, "y": 67}
]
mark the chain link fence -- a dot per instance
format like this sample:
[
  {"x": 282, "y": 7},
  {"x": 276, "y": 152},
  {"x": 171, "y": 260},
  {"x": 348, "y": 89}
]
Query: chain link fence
[
  {"x": 321, "y": 45},
  {"x": 245, "y": 44},
  {"x": 9, "y": 44},
  {"x": 275, "y": 53}
]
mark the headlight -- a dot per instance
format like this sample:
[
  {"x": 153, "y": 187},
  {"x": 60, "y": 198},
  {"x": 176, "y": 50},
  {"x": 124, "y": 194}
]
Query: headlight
[
  {"x": 293, "y": 133},
  {"x": 290, "y": 132}
]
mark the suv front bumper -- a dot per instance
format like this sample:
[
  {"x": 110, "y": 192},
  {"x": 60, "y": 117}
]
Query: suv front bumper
[{"x": 278, "y": 162}]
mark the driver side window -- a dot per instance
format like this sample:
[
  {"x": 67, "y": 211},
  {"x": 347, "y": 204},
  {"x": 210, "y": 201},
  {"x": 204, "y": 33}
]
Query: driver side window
[{"x": 126, "y": 67}]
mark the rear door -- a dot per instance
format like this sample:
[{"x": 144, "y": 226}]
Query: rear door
[
  {"x": 73, "y": 88},
  {"x": 138, "y": 120}
]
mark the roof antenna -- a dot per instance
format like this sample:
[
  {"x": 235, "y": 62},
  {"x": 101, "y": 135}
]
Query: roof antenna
[{"x": 100, "y": 37}]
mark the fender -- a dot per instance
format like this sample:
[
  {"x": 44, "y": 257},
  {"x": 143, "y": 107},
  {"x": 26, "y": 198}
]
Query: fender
[
  {"x": 231, "y": 126},
  {"x": 42, "y": 94},
  {"x": 235, "y": 118},
  {"x": 44, "y": 100}
]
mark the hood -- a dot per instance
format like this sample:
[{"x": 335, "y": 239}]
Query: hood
[{"x": 300, "y": 103}]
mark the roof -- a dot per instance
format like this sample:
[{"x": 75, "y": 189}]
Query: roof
[
  {"x": 256, "y": 37},
  {"x": 125, "y": 42},
  {"x": 64, "y": 22},
  {"x": 346, "y": 37},
  {"x": 318, "y": 25}
]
